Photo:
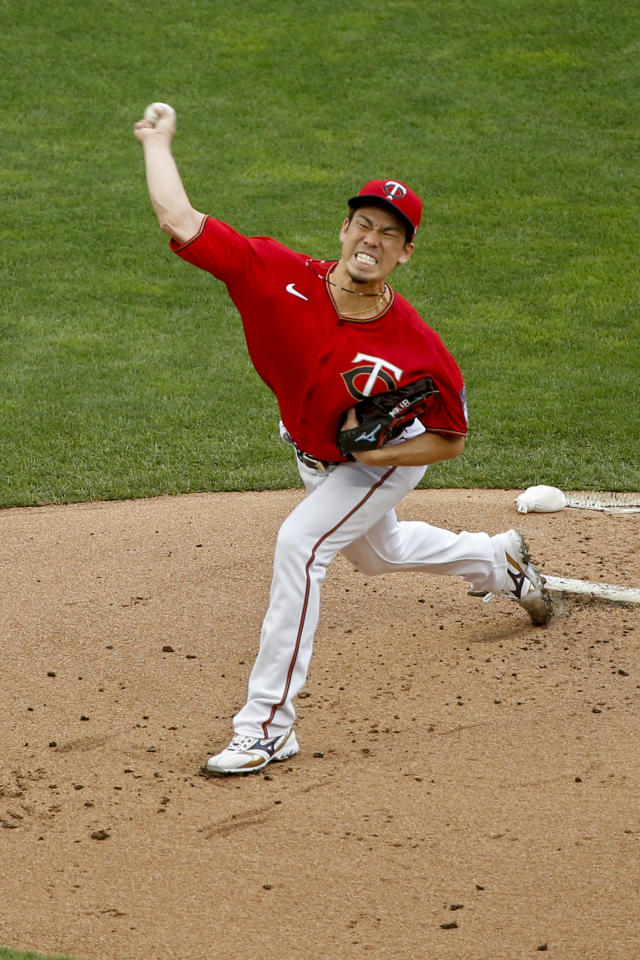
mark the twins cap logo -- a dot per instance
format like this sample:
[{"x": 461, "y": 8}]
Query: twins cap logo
[
  {"x": 394, "y": 189},
  {"x": 406, "y": 204}
]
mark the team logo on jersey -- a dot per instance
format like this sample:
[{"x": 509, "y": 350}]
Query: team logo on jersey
[
  {"x": 394, "y": 189},
  {"x": 364, "y": 379}
]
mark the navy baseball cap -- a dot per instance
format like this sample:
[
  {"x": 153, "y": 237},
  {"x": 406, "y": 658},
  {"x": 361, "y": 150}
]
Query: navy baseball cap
[{"x": 400, "y": 198}]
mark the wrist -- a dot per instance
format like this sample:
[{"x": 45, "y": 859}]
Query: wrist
[{"x": 157, "y": 142}]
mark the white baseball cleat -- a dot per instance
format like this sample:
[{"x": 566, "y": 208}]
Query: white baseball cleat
[
  {"x": 522, "y": 580},
  {"x": 248, "y": 755}
]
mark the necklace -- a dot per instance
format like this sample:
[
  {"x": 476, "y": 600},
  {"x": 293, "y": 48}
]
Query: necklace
[{"x": 356, "y": 293}]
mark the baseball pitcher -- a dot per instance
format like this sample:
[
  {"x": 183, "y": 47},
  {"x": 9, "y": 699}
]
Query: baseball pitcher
[{"x": 369, "y": 397}]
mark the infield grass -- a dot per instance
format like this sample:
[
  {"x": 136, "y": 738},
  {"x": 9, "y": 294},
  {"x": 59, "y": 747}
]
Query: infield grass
[
  {"x": 123, "y": 371},
  {"x": 6, "y": 954}
]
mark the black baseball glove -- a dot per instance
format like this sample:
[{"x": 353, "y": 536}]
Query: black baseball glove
[{"x": 385, "y": 415}]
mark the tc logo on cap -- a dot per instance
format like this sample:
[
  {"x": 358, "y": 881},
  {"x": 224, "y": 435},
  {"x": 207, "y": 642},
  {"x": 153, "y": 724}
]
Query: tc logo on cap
[
  {"x": 401, "y": 199},
  {"x": 394, "y": 189}
]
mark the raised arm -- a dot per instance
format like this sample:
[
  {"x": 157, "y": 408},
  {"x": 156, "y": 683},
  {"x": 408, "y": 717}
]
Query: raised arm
[{"x": 168, "y": 196}]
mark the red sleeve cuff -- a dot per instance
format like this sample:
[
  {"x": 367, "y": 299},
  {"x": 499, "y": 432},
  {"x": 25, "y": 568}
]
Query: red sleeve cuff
[{"x": 176, "y": 246}]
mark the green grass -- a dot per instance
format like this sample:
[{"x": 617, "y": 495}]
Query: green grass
[
  {"x": 6, "y": 954},
  {"x": 123, "y": 371}
]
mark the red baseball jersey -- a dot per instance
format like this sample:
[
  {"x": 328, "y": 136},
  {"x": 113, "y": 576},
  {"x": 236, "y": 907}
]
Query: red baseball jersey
[{"x": 317, "y": 362}]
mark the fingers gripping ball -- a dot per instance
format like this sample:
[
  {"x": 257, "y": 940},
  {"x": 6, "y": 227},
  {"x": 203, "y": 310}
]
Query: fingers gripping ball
[
  {"x": 155, "y": 111},
  {"x": 385, "y": 415}
]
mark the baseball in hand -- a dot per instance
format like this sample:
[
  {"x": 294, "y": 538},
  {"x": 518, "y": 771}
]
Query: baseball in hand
[{"x": 151, "y": 113}]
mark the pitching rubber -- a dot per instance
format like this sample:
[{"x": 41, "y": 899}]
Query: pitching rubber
[{"x": 592, "y": 591}]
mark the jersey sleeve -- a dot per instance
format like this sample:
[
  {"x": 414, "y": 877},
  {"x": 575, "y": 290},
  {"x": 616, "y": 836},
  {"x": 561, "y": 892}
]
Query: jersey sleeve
[
  {"x": 449, "y": 414},
  {"x": 218, "y": 249},
  {"x": 249, "y": 266}
]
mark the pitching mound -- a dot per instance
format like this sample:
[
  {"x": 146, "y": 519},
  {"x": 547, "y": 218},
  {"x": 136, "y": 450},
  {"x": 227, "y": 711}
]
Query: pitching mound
[{"x": 467, "y": 787}]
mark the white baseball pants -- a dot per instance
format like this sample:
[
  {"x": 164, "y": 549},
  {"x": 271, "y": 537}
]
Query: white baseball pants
[{"x": 349, "y": 509}]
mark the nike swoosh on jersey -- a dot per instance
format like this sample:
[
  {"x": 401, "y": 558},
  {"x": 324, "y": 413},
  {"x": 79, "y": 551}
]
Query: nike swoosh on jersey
[{"x": 291, "y": 288}]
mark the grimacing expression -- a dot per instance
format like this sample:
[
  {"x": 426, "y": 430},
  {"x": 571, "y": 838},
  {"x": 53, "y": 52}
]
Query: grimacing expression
[{"x": 373, "y": 242}]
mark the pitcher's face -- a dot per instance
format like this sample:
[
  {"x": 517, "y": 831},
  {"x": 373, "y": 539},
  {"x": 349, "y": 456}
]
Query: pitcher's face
[{"x": 373, "y": 242}]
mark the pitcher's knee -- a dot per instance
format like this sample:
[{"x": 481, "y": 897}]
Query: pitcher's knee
[
  {"x": 301, "y": 546},
  {"x": 369, "y": 564},
  {"x": 291, "y": 540}
]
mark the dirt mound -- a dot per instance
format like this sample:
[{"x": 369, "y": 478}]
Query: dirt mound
[{"x": 467, "y": 783}]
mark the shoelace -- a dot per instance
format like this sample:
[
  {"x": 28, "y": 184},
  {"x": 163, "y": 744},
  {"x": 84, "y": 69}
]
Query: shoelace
[{"x": 238, "y": 744}]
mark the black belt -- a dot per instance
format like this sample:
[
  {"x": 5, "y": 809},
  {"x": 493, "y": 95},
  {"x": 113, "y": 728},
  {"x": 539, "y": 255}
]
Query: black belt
[{"x": 314, "y": 463}]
